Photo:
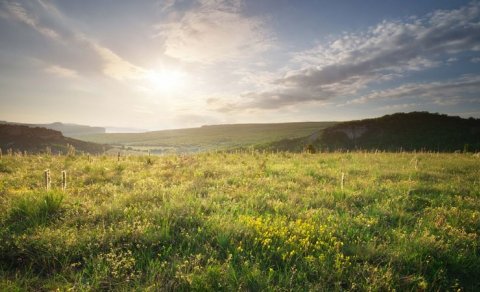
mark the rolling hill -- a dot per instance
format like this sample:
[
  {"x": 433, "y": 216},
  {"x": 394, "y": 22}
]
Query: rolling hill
[
  {"x": 68, "y": 130},
  {"x": 36, "y": 139},
  {"x": 209, "y": 137},
  {"x": 400, "y": 131}
]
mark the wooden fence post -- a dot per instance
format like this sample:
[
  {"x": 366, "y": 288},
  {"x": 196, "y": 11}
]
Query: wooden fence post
[
  {"x": 47, "y": 179},
  {"x": 342, "y": 181},
  {"x": 64, "y": 180}
]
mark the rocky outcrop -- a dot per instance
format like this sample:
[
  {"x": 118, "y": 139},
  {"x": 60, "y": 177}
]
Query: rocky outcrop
[{"x": 353, "y": 132}]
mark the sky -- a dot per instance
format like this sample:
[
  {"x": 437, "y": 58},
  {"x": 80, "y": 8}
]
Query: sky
[{"x": 185, "y": 63}]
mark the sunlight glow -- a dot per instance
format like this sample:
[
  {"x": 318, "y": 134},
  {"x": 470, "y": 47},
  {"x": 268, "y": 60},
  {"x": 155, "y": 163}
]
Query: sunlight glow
[{"x": 167, "y": 81}]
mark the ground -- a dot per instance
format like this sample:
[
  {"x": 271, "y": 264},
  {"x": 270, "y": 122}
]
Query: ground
[{"x": 241, "y": 221}]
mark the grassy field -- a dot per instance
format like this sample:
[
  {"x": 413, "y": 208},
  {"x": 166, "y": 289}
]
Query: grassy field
[
  {"x": 242, "y": 221},
  {"x": 209, "y": 137}
]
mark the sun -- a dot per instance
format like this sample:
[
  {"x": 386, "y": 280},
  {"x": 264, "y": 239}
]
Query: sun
[{"x": 167, "y": 81}]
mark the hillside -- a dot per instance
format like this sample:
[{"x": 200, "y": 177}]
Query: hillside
[
  {"x": 407, "y": 131},
  {"x": 36, "y": 139},
  {"x": 68, "y": 130},
  {"x": 209, "y": 137}
]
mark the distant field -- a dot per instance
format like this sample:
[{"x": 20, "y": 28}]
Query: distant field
[
  {"x": 249, "y": 222},
  {"x": 210, "y": 137}
]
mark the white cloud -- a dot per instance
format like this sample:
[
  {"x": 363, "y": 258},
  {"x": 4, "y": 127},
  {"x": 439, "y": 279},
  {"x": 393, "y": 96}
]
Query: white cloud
[
  {"x": 214, "y": 31},
  {"x": 439, "y": 92},
  {"x": 50, "y": 7},
  {"x": 18, "y": 12},
  {"x": 399, "y": 107},
  {"x": 391, "y": 49},
  {"x": 142, "y": 110},
  {"x": 166, "y": 4},
  {"x": 114, "y": 66},
  {"x": 61, "y": 71},
  {"x": 452, "y": 60}
]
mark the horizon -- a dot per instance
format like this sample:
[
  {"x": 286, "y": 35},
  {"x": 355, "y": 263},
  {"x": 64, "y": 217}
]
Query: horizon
[
  {"x": 116, "y": 130},
  {"x": 176, "y": 64}
]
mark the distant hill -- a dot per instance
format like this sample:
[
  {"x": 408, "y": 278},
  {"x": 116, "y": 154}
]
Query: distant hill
[
  {"x": 209, "y": 137},
  {"x": 407, "y": 131},
  {"x": 36, "y": 139},
  {"x": 123, "y": 130},
  {"x": 68, "y": 130},
  {"x": 400, "y": 131}
]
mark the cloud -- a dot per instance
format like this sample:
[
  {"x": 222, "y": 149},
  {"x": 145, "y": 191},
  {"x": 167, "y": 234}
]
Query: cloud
[
  {"x": 267, "y": 100},
  {"x": 285, "y": 96},
  {"x": 61, "y": 71},
  {"x": 114, "y": 66},
  {"x": 391, "y": 47},
  {"x": 214, "y": 31},
  {"x": 439, "y": 92},
  {"x": 352, "y": 62},
  {"x": 111, "y": 64},
  {"x": 50, "y": 7},
  {"x": 142, "y": 110},
  {"x": 400, "y": 107},
  {"x": 18, "y": 12},
  {"x": 167, "y": 4},
  {"x": 451, "y": 60}
]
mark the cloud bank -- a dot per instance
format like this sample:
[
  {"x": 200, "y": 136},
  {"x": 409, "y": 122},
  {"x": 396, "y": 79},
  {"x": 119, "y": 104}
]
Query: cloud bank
[
  {"x": 37, "y": 14},
  {"x": 214, "y": 31},
  {"x": 444, "y": 93},
  {"x": 352, "y": 62}
]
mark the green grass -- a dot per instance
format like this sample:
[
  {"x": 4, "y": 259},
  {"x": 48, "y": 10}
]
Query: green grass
[
  {"x": 209, "y": 137},
  {"x": 242, "y": 222}
]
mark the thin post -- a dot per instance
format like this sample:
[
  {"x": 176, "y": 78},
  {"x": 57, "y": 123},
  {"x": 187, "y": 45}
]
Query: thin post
[
  {"x": 1, "y": 154},
  {"x": 47, "y": 179},
  {"x": 64, "y": 180},
  {"x": 118, "y": 156},
  {"x": 342, "y": 181}
]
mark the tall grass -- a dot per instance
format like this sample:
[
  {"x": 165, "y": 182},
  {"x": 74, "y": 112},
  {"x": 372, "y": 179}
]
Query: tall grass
[{"x": 242, "y": 221}]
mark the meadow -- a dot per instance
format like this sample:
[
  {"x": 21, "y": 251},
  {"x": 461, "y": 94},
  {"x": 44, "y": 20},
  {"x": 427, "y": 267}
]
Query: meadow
[
  {"x": 241, "y": 221},
  {"x": 209, "y": 138}
]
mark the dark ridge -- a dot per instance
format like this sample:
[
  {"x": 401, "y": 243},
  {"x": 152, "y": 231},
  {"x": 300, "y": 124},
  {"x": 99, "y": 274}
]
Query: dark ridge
[
  {"x": 405, "y": 131},
  {"x": 68, "y": 130},
  {"x": 37, "y": 139}
]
